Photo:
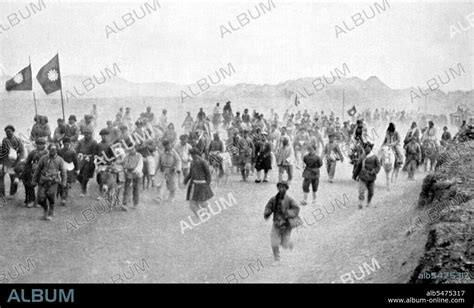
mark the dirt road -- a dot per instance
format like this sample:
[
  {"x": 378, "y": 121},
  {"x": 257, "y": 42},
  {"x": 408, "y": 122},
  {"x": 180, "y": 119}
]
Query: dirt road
[{"x": 148, "y": 244}]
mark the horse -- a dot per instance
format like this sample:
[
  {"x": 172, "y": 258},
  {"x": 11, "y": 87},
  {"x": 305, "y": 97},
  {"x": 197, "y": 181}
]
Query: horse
[
  {"x": 430, "y": 153},
  {"x": 388, "y": 162}
]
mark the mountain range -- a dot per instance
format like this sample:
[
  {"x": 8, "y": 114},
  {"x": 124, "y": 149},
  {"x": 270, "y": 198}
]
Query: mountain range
[{"x": 371, "y": 93}]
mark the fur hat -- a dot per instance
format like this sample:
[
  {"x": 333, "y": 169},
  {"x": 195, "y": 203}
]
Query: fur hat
[
  {"x": 284, "y": 183},
  {"x": 11, "y": 127}
]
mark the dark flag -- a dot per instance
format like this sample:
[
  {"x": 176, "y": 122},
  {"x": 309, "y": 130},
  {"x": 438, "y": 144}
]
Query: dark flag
[
  {"x": 352, "y": 111},
  {"x": 21, "y": 81},
  {"x": 49, "y": 76}
]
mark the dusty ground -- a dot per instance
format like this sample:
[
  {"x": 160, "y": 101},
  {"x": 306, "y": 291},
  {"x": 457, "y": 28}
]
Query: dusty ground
[{"x": 225, "y": 244}]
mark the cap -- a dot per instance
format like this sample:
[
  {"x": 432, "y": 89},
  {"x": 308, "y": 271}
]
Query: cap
[
  {"x": 11, "y": 127},
  {"x": 284, "y": 183},
  {"x": 40, "y": 141},
  {"x": 86, "y": 130}
]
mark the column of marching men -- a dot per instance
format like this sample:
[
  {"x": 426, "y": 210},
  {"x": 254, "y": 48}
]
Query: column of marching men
[{"x": 148, "y": 155}]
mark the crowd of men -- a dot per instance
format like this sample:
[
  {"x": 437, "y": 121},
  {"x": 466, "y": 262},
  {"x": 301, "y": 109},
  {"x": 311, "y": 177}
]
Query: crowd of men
[{"x": 148, "y": 152}]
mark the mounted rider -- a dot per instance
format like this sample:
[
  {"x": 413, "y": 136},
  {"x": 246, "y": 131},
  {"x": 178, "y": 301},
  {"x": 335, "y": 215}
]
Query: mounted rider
[
  {"x": 431, "y": 133},
  {"x": 392, "y": 139}
]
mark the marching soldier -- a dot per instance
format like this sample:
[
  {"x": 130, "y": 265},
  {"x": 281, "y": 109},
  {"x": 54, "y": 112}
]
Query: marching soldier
[
  {"x": 69, "y": 155},
  {"x": 50, "y": 173},
  {"x": 86, "y": 150},
  {"x": 30, "y": 168}
]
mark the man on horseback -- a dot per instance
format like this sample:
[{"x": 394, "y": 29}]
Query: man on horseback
[
  {"x": 357, "y": 142},
  {"x": 391, "y": 155},
  {"x": 430, "y": 133},
  {"x": 392, "y": 140}
]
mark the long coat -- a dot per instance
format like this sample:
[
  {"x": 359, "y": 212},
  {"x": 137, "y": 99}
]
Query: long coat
[
  {"x": 264, "y": 156},
  {"x": 199, "y": 179}
]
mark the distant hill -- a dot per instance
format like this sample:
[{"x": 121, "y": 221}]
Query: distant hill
[{"x": 371, "y": 93}]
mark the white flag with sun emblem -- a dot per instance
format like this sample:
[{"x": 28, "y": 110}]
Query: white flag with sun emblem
[{"x": 49, "y": 76}]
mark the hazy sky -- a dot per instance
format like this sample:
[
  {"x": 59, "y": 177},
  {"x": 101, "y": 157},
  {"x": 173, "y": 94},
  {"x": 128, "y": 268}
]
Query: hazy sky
[{"x": 181, "y": 42}]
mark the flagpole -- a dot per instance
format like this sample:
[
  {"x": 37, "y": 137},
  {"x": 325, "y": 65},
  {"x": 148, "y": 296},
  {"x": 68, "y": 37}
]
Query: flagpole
[
  {"x": 61, "y": 89},
  {"x": 34, "y": 98},
  {"x": 343, "y": 104}
]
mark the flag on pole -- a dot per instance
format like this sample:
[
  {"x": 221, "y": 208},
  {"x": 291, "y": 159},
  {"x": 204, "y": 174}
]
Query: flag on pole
[
  {"x": 49, "y": 76},
  {"x": 21, "y": 81},
  {"x": 352, "y": 111}
]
